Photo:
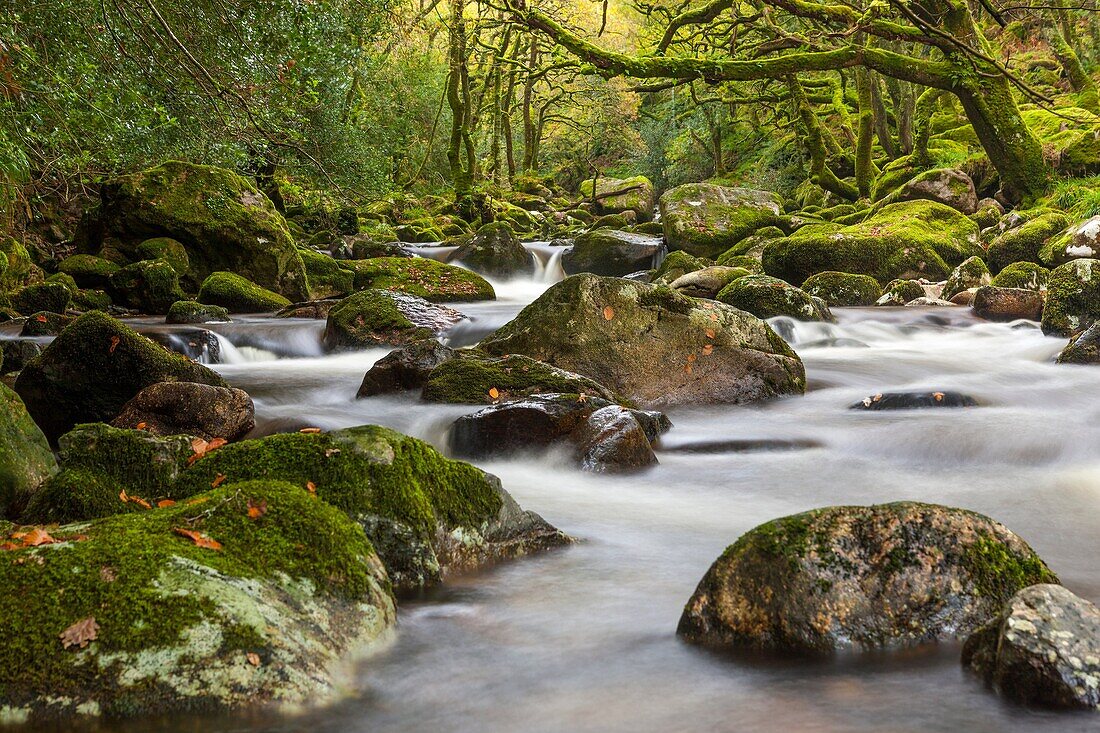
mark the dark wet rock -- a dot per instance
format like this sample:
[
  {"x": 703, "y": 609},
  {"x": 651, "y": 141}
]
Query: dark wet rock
[
  {"x": 1083, "y": 348},
  {"x": 95, "y": 367},
  {"x": 425, "y": 514},
  {"x": 197, "y": 344},
  {"x": 1073, "y": 298},
  {"x": 706, "y": 220},
  {"x": 601, "y": 436},
  {"x": 379, "y": 317},
  {"x": 405, "y": 368},
  {"x": 190, "y": 311},
  {"x": 1042, "y": 649},
  {"x": 768, "y": 297},
  {"x": 494, "y": 251},
  {"x": 651, "y": 344},
  {"x": 316, "y": 309},
  {"x": 708, "y": 282},
  {"x": 843, "y": 289},
  {"x": 966, "y": 297},
  {"x": 913, "y": 400},
  {"x": 25, "y": 456},
  {"x": 17, "y": 352},
  {"x": 1007, "y": 304},
  {"x": 267, "y": 620},
  {"x": 863, "y": 577},
  {"x": 610, "y": 252},
  {"x": 477, "y": 378},
  {"x": 45, "y": 323},
  {"x": 186, "y": 408},
  {"x": 735, "y": 445}
]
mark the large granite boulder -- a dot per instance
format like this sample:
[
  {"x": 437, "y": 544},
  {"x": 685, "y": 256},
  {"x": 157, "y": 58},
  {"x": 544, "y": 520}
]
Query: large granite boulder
[{"x": 706, "y": 220}]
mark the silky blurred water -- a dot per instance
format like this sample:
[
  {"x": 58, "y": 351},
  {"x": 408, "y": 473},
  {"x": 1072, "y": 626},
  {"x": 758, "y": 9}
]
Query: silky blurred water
[{"x": 583, "y": 639}]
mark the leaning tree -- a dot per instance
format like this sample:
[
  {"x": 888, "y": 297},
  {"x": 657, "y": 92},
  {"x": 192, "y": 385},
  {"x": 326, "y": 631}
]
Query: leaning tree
[{"x": 935, "y": 44}]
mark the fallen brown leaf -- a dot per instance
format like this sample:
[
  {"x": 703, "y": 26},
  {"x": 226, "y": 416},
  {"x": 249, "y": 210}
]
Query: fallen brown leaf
[{"x": 80, "y": 633}]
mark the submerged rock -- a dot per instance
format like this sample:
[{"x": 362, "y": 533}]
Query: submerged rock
[
  {"x": 610, "y": 252},
  {"x": 652, "y": 345},
  {"x": 1042, "y": 649},
  {"x": 25, "y": 456},
  {"x": 913, "y": 400},
  {"x": 201, "y": 606},
  {"x": 1007, "y": 304},
  {"x": 377, "y": 317},
  {"x": 94, "y": 368},
  {"x": 601, "y": 436},
  {"x": 862, "y": 577},
  {"x": 706, "y": 220},
  {"x": 426, "y": 515},
  {"x": 768, "y": 297},
  {"x": 186, "y": 408}
]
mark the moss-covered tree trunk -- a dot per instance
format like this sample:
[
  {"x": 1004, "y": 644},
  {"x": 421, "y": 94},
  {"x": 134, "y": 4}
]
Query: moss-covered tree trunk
[{"x": 460, "y": 150}]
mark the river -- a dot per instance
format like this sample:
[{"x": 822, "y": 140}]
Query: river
[{"x": 583, "y": 639}]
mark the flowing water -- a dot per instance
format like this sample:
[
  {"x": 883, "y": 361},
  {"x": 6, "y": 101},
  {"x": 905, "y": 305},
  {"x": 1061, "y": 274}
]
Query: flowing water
[{"x": 583, "y": 639}]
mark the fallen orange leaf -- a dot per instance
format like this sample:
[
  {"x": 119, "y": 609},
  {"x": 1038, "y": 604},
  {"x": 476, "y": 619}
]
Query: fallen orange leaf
[
  {"x": 710, "y": 333},
  {"x": 200, "y": 539},
  {"x": 140, "y": 426},
  {"x": 163, "y": 503},
  {"x": 257, "y": 509},
  {"x": 311, "y": 487},
  {"x": 114, "y": 344},
  {"x": 217, "y": 481},
  {"x": 708, "y": 349},
  {"x": 494, "y": 392},
  {"x": 310, "y": 430},
  {"x": 253, "y": 659},
  {"x": 38, "y": 537}
]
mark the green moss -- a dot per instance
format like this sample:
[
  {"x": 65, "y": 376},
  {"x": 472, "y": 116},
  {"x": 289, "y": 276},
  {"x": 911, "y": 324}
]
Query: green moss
[
  {"x": 17, "y": 265},
  {"x": 88, "y": 271},
  {"x": 768, "y": 297},
  {"x": 676, "y": 264},
  {"x": 900, "y": 292},
  {"x": 66, "y": 280},
  {"x": 1073, "y": 297},
  {"x": 370, "y": 318},
  {"x": 167, "y": 249},
  {"x": 93, "y": 368},
  {"x": 239, "y": 295},
  {"x": 843, "y": 288},
  {"x": 745, "y": 262},
  {"x": 119, "y": 571},
  {"x": 998, "y": 572},
  {"x": 53, "y": 297},
  {"x": 434, "y": 281},
  {"x": 91, "y": 300},
  {"x": 972, "y": 273},
  {"x": 469, "y": 378},
  {"x": 1023, "y": 243},
  {"x": 76, "y": 495},
  {"x": 1022, "y": 275},
  {"x": 907, "y": 239},
  {"x": 365, "y": 470},
  {"x": 326, "y": 278},
  {"x": 190, "y": 311},
  {"x": 149, "y": 286},
  {"x": 706, "y": 220},
  {"x": 45, "y": 323},
  {"x": 25, "y": 457}
]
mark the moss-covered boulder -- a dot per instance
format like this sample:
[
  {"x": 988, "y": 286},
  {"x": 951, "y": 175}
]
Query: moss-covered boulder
[
  {"x": 768, "y": 297},
  {"x": 89, "y": 271},
  {"x": 843, "y": 289},
  {"x": 149, "y": 286},
  {"x": 53, "y": 297},
  {"x": 45, "y": 323},
  {"x": 911, "y": 239},
  {"x": 707, "y": 282},
  {"x": 378, "y": 317},
  {"x": 948, "y": 186},
  {"x": 610, "y": 252},
  {"x": 618, "y": 195},
  {"x": 1023, "y": 275},
  {"x": 220, "y": 218},
  {"x": 239, "y": 295},
  {"x": 1083, "y": 348},
  {"x": 1078, "y": 240},
  {"x": 901, "y": 292},
  {"x": 474, "y": 378},
  {"x": 16, "y": 267},
  {"x": 676, "y": 264},
  {"x": 706, "y": 220},
  {"x": 167, "y": 249},
  {"x": 94, "y": 368},
  {"x": 1042, "y": 649},
  {"x": 972, "y": 273},
  {"x": 1072, "y": 298},
  {"x": 861, "y": 577},
  {"x": 252, "y": 594},
  {"x": 752, "y": 247},
  {"x": 326, "y": 278},
  {"x": 424, "y": 513},
  {"x": 190, "y": 311},
  {"x": 107, "y": 470},
  {"x": 17, "y": 352},
  {"x": 494, "y": 251},
  {"x": 1024, "y": 242},
  {"x": 25, "y": 456},
  {"x": 187, "y": 408},
  {"x": 428, "y": 279},
  {"x": 651, "y": 344}
]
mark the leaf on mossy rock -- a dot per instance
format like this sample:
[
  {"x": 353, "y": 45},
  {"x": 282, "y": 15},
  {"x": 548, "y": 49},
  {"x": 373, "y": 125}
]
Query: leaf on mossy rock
[
  {"x": 200, "y": 539},
  {"x": 80, "y": 633},
  {"x": 202, "y": 447}
]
